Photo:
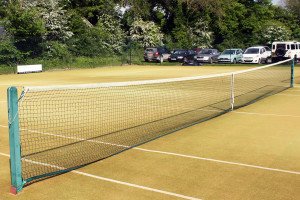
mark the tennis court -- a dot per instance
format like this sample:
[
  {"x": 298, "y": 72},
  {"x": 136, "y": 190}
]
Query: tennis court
[{"x": 250, "y": 153}]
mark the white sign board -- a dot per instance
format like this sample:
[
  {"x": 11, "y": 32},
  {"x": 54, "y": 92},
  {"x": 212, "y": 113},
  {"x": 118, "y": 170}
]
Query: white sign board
[{"x": 22, "y": 69}]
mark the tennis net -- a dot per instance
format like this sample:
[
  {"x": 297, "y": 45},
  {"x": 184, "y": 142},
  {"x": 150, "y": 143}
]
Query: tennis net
[{"x": 57, "y": 129}]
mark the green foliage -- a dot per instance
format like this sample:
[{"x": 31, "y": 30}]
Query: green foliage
[
  {"x": 60, "y": 31},
  {"x": 88, "y": 44},
  {"x": 273, "y": 31},
  {"x": 112, "y": 34},
  {"x": 146, "y": 33},
  {"x": 9, "y": 54},
  {"x": 56, "y": 50},
  {"x": 27, "y": 29},
  {"x": 55, "y": 20}
]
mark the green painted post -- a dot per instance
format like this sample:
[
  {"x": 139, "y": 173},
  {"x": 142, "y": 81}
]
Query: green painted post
[
  {"x": 292, "y": 72},
  {"x": 14, "y": 141}
]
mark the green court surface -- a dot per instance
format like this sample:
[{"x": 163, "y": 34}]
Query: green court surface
[{"x": 249, "y": 153}]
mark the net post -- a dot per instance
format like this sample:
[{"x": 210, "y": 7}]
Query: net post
[
  {"x": 293, "y": 72},
  {"x": 232, "y": 92},
  {"x": 14, "y": 141}
]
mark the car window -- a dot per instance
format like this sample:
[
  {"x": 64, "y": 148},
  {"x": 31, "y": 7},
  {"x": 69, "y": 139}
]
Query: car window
[
  {"x": 176, "y": 52},
  {"x": 206, "y": 51},
  {"x": 252, "y": 51},
  {"x": 281, "y": 46},
  {"x": 293, "y": 47},
  {"x": 267, "y": 49},
  {"x": 228, "y": 52},
  {"x": 149, "y": 50},
  {"x": 288, "y": 46}
]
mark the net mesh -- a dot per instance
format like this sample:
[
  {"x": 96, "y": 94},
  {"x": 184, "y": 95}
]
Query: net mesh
[{"x": 63, "y": 128}]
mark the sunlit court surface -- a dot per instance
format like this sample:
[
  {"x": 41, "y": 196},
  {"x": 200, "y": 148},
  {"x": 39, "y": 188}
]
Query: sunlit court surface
[{"x": 252, "y": 152}]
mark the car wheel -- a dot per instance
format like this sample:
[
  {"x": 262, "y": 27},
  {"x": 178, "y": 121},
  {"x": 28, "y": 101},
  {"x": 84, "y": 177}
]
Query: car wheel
[
  {"x": 267, "y": 61},
  {"x": 211, "y": 61},
  {"x": 234, "y": 61},
  {"x": 259, "y": 61}
]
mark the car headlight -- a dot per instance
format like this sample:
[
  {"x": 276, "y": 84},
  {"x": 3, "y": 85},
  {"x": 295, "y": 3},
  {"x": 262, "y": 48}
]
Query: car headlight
[
  {"x": 205, "y": 57},
  {"x": 180, "y": 57}
]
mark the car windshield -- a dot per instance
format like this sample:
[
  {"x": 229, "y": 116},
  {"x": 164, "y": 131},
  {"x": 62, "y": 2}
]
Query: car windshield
[
  {"x": 176, "y": 52},
  {"x": 206, "y": 51},
  {"x": 227, "y": 52},
  {"x": 252, "y": 51},
  {"x": 149, "y": 50}
]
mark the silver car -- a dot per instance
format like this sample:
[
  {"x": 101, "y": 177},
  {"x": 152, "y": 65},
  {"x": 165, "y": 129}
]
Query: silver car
[{"x": 207, "y": 56}]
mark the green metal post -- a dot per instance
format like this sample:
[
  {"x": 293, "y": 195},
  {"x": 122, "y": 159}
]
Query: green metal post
[
  {"x": 14, "y": 141},
  {"x": 292, "y": 72}
]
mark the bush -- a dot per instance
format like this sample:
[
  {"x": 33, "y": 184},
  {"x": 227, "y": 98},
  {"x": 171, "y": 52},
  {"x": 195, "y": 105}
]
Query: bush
[
  {"x": 56, "y": 50},
  {"x": 9, "y": 54}
]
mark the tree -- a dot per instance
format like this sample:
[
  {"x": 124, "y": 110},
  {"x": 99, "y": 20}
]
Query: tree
[
  {"x": 113, "y": 35},
  {"x": 54, "y": 16},
  {"x": 201, "y": 36},
  {"x": 274, "y": 31},
  {"x": 91, "y": 9},
  {"x": 9, "y": 54},
  {"x": 294, "y": 6},
  {"x": 146, "y": 33},
  {"x": 26, "y": 28}
]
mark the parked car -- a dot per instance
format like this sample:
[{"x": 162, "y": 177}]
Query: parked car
[
  {"x": 189, "y": 59},
  {"x": 285, "y": 50},
  {"x": 256, "y": 54},
  {"x": 231, "y": 56},
  {"x": 157, "y": 54},
  {"x": 207, "y": 55},
  {"x": 178, "y": 55}
]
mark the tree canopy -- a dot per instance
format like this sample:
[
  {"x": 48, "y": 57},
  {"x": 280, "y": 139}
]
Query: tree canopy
[{"x": 40, "y": 28}]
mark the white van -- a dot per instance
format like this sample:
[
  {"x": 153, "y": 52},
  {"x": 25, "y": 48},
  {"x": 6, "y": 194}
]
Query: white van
[{"x": 285, "y": 50}]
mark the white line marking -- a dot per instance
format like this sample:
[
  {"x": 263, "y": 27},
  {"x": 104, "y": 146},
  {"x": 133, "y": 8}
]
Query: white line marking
[
  {"x": 265, "y": 114},
  {"x": 112, "y": 180},
  {"x": 137, "y": 186},
  {"x": 4, "y": 154},
  {"x": 220, "y": 161},
  {"x": 293, "y": 90},
  {"x": 169, "y": 153},
  {"x": 292, "y": 95}
]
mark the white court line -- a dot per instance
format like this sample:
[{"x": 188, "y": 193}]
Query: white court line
[
  {"x": 171, "y": 153},
  {"x": 220, "y": 161},
  {"x": 264, "y": 114},
  {"x": 113, "y": 181},
  {"x": 292, "y": 95}
]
